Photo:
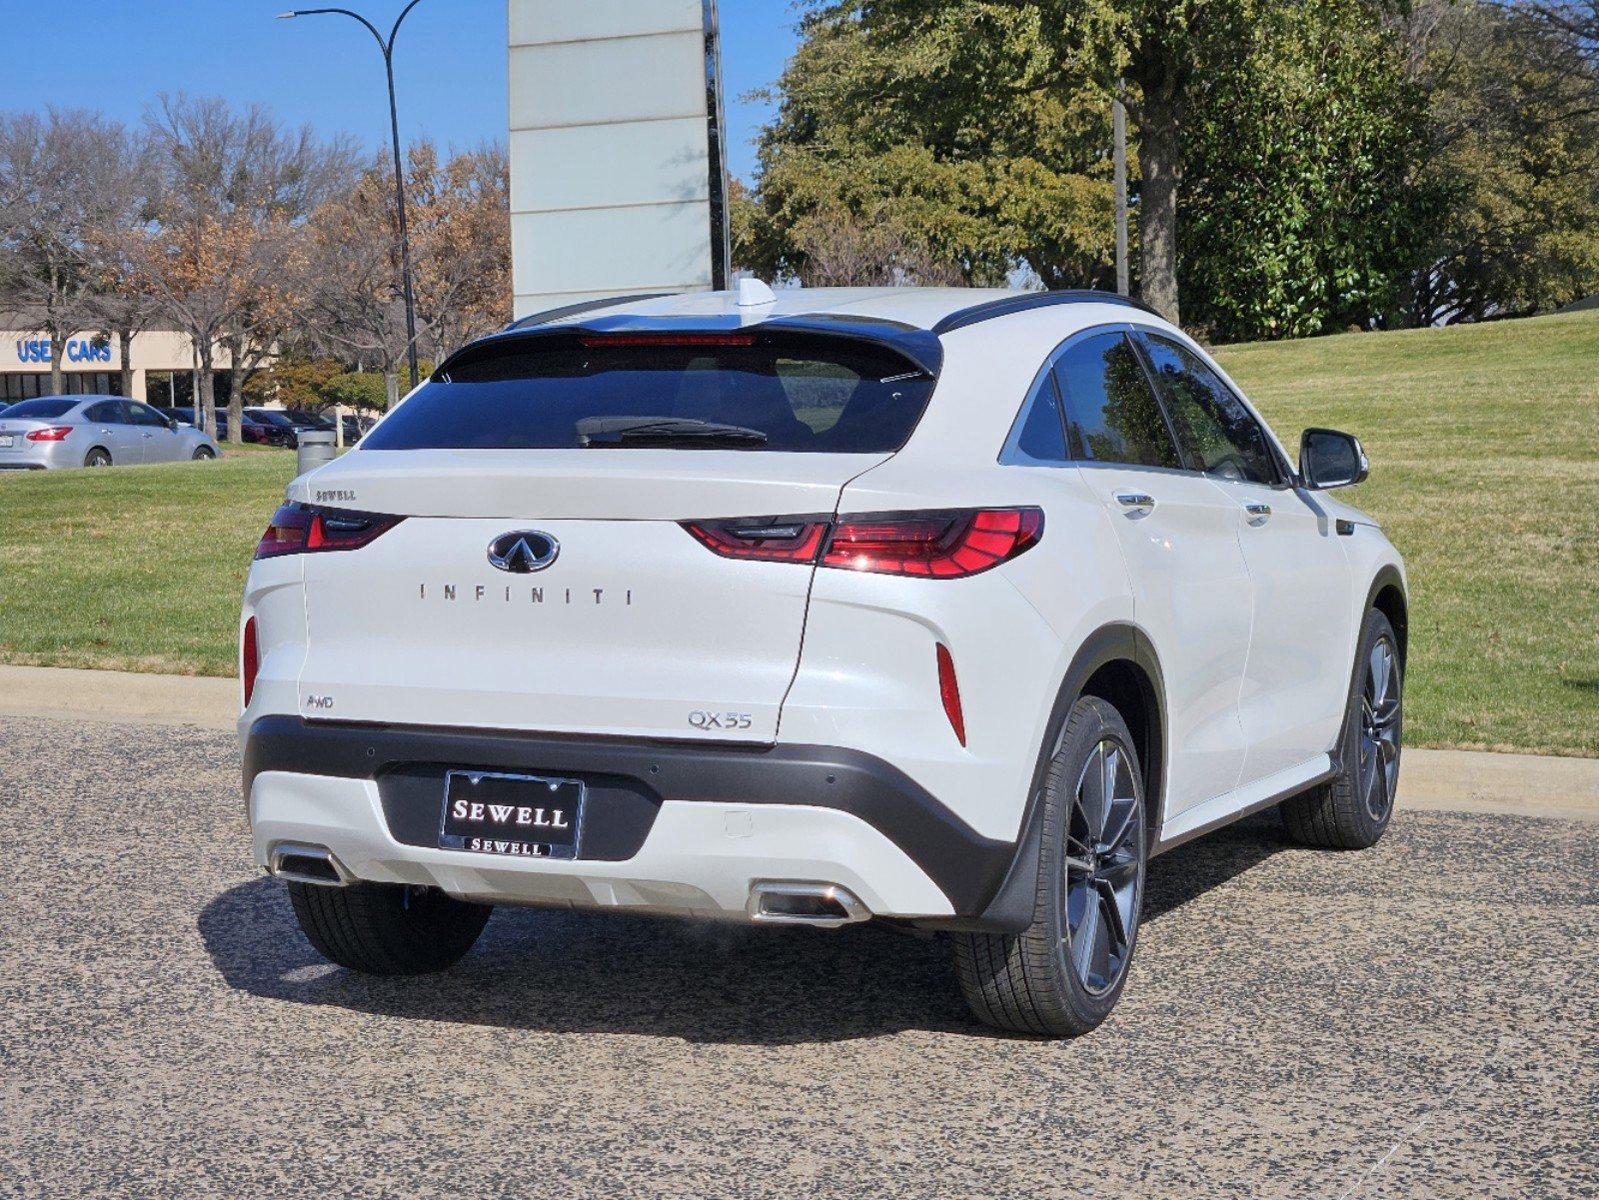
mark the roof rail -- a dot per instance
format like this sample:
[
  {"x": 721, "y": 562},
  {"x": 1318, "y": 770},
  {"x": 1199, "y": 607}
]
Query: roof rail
[
  {"x": 989, "y": 309},
  {"x": 573, "y": 310}
]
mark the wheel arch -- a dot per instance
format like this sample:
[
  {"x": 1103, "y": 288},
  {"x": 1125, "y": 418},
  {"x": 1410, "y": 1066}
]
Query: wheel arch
[
  {"x": 1387, "y": 595},
  {"x": 105, "y": 450},
  {"x": 1118, "y": 664}
]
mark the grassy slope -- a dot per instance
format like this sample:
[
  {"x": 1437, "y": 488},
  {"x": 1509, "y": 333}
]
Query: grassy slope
[
  {"x": 1484, "y": 443},
  {"x": 137, "y": 568},
  {"x": 1485, "y": 449}
]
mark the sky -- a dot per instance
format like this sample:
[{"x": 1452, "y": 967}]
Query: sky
[{"x": 115, "y": 55}]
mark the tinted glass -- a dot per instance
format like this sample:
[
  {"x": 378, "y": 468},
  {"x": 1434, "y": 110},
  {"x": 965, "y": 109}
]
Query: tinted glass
[
  {"x": 1218, "y": 434},
  {"x": 1112, "y": 415},
  {"x": 267, "y": 416},
  {"x": 1043, "y": 437},
  {"x": 803, "y": 394},
  {"x": 42, "y": 409},
  {"x": 107, "y": 412}
]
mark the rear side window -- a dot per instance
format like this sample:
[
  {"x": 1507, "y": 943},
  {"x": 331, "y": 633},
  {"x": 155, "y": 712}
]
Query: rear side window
[
  {"x": 1220, "y": 436},
  {"x": 1112, "y": 415},
  {"x": 789, "y": 393},
  {"x": 43, "y": 410}
]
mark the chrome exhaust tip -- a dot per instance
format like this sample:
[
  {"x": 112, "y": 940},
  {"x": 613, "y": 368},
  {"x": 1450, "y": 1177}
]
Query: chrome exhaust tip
[
  {"x": 819, "y": 905},
  {"x": 308, "y": 864}
]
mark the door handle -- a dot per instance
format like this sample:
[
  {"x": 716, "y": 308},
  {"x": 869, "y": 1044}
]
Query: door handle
[
  {"x": 149, "y": 435},
  {"x": 1257, "y": 514},
  {"x": 107, "y": 432},
  {"x": 1135, "y": 502}
]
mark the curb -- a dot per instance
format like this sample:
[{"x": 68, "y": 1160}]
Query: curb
[{"x": 1432, "y": 780}]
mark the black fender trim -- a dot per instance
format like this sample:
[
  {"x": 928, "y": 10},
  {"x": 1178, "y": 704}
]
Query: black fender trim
[
  {"x": 1009, "y": 905},
  {"x": 965, "y": 865}
]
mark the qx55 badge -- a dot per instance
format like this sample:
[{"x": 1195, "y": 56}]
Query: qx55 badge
[{"x": 523, "y": 551}]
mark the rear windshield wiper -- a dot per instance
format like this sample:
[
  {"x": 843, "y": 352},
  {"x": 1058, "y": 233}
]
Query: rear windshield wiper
[{"x": 665, "y": 431}]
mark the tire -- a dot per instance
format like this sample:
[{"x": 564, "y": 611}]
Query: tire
[
  {"x": 98, "y": 457},
  {"x": 387, "y": 929},
  {"x": 1050, "y": 979},
  {"x": 1351, "y": 811},
  {"x": 203, "y": 454}
]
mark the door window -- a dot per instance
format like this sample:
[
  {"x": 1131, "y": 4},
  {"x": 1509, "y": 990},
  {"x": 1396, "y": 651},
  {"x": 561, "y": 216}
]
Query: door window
[
  {"x": 138, "y": 414},
  {"x": 1219, "y": 435},
  {"x": 108, "y": 412},
  {"x": 1112, "y": 415}
]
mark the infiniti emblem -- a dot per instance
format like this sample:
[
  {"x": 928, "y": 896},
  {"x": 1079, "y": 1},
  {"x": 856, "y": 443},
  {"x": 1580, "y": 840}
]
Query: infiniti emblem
[{"x": 523, "y": 551}]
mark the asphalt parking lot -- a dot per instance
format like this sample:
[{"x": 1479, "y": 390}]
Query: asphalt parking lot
[{"x": 1419, "y": 1020}]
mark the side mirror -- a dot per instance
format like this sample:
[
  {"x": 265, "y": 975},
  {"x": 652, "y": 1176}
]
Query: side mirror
[
  {"x": 172, "y": 424},
  {"x": 1329, "y": 459}
]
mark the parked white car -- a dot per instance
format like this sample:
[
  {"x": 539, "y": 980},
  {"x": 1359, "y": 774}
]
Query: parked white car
[
  {"x": 944, "y": 607},
  {"x": 94, "y": 431}
]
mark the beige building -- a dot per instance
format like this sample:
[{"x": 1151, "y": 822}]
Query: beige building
[{"x": 163, "y": 367}]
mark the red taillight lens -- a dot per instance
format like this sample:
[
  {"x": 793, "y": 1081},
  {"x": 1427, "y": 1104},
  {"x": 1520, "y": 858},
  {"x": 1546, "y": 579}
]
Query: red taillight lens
[
  {"x": 54, "y": 434},
  {"x": 781, "y": 539},
  {"x": 249, "y": 660},
  {"x": 950, "y": 693},
  {"x": 944, "y": 544},
  {"x": 296, "y": 529},
  {"x": 286, "y": 533},
  {"x": 937, "y": 545}
]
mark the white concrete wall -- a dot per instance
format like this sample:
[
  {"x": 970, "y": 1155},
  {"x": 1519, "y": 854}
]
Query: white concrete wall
[{"x": 609, "y": 145}]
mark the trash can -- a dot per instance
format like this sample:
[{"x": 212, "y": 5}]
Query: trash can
[{"x": 316, "y": 448}]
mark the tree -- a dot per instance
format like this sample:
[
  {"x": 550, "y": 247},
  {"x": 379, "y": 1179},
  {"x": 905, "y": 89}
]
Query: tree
[
  {"x": 232, "y": 191},
  {"x": 459, "y": 213},
  {"x": 62, "y": 175},
  {"x": 1514, "y": 153},
  {"x": 1302, "y": 210},
  {"x": 931, "y": 128},
  {"x": 460, "y": 217}
]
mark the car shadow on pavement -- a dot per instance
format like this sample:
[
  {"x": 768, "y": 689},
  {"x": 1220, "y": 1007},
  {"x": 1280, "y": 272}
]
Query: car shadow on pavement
[{"x": 702, "y": 981}]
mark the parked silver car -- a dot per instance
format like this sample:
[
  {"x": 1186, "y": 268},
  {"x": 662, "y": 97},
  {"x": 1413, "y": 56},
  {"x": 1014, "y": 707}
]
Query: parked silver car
[{"x": 94, "y": 431}]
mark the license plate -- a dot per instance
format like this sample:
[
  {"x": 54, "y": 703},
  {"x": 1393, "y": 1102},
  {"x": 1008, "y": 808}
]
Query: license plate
[
  {"x": 7, "y": 441},
  {"x": 515, "y": 816}
]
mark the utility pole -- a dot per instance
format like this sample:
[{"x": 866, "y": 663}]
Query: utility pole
[{"x": 1118, "y": 121}]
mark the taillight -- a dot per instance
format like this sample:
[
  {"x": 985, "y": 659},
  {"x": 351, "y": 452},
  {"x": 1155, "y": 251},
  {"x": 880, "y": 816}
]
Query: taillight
[
  {"x": 942, "y": 544},
  {"x": 296, "y": 529},
  {"x": 53, "y": 434},
  {"x": 950, "y": 693},
  {"x": 250, "y": 660},
  {"x": 780, "y": 539},
  {"x": 939, "y": 545}
]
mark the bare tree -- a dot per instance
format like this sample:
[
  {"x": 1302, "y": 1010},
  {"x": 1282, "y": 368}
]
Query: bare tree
[
  {"x": 460, "y": 213},
  {"x": 232, "y": 190},
  {"x": 61, "y": 177},
  {"x": 349, "y": 279}
]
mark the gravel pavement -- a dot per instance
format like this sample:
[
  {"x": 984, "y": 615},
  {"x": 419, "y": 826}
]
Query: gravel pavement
[{"x": 1415, "y": 1021}]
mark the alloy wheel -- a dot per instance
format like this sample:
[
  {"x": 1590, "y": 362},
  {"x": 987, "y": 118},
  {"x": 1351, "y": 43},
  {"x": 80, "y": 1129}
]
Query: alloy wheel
[
  {"x": 1104, "y": 883},
  {"x": 1379, "y": 729}
]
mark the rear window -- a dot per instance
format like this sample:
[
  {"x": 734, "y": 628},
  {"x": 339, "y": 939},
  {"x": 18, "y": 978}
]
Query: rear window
[
  {"x": 42, "y": 409},
  {"x": 797, "y": 393}
]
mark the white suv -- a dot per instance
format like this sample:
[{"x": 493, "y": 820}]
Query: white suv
[{"x": 943, "y": 607}]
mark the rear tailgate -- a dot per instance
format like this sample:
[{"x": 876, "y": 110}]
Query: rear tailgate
[{"x": 635, "y": 629}]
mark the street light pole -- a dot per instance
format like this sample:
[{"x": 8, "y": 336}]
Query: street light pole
[{"x": 387, "y": 46}]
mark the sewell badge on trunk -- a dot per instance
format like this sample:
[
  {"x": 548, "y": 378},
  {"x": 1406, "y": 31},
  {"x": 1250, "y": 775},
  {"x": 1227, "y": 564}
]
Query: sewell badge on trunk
[{"x": 515, "y": 816}]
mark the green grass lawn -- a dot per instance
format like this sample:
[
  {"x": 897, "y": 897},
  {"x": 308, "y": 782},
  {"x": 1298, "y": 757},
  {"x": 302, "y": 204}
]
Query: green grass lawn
[
  {"x": 133, "y": 568},
  {"x": 1484, "y": 443}
]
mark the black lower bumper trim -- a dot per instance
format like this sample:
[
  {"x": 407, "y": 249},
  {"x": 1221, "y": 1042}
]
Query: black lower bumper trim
[{"x": 966, "y": 866}]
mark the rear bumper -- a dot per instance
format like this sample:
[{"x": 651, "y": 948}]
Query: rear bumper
[{"x": 668, "y": 827}]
